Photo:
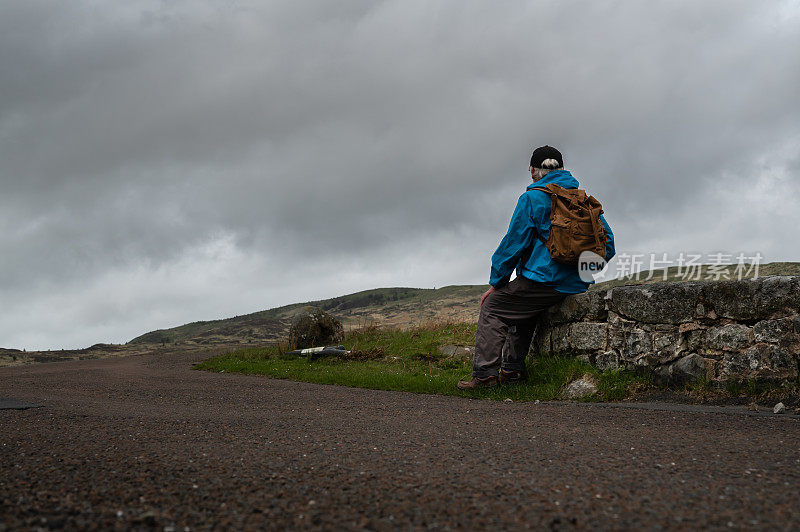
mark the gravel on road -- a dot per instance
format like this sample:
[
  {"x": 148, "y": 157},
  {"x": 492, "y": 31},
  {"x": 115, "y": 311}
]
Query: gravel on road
[{"x": 145, "y": 442}]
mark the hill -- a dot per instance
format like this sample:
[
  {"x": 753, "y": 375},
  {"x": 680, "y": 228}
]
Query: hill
[{"x": 392, "y": 307}]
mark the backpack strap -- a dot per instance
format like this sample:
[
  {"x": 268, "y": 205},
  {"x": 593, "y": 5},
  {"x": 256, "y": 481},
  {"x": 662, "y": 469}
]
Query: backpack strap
[
  {"x": 570, "y": 194},
  {"x": 538, "y": 234},
  {"x": 597, "y": 226}
]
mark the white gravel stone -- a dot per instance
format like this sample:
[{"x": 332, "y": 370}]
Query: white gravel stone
[
  {"x": 780, "y": 408},
  {"x": 579, "y": 388}
]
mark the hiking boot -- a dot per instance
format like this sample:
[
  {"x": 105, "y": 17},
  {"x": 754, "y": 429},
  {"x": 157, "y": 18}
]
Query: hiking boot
[
  {"x": 477, "y": 382},
  {"x": 511, "y": 376}
]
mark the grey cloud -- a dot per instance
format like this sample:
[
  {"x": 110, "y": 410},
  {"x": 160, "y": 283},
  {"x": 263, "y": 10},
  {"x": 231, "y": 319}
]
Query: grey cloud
[{"x": 131, "y": 135}]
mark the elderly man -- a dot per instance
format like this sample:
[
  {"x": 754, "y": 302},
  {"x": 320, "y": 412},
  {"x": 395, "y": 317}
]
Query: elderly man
[{"x": 508, "y": 309}]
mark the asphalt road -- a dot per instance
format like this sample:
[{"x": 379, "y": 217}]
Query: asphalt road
[{"x": 145, "y": 442}]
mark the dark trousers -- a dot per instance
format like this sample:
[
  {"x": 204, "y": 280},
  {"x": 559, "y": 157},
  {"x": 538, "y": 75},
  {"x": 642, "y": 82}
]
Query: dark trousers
[{"x": 507, "y": 323}]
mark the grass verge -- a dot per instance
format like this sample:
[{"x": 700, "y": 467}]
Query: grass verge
[{"x": 410, "y": 360}]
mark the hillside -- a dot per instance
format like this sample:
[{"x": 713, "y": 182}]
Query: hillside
[{"x": 393, "y": 307}]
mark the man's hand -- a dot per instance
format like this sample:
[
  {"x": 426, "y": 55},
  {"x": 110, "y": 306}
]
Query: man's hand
[{"x": 489, "y": 292}]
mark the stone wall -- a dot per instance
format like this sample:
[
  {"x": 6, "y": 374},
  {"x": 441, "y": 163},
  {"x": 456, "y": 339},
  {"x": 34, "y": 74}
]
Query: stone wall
[{"x": 748, "y": 329}]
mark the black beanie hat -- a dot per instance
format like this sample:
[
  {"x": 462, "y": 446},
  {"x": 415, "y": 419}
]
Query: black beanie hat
[{"x": 543, "y": 153}]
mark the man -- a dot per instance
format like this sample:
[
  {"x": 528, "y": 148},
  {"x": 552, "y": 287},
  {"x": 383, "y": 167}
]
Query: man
[{"x": 508, "y": 309}]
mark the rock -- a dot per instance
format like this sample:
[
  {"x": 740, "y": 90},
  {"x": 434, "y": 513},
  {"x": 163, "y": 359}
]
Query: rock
[
  {"x": 657, "y": 303},
  {"x": 733, "y": 299},
  {"x": 616, "y": 319},
  {"x": 729, "y": 337},
  {"x": 588, "y": 336},
  {"x": 696, "y": 339},
  {"x": 778, "y": 294},
  {"x": 457, "y": 351},
  {"x": 579, "y": 388},
  {"x": 740, "y": 365},
  {"x": 773, "y": 330},
  {"x": 541, "y": 342},
  {"x": 689, "y": 368},
  {"x": 689, "y": 326},
  {"x": 588, "y": 305},
  {"x": 663, "y": 374},
  {"x": 508, "y": 400},
  {"x": 313, "y": 327},
  {"x": 667, "y": 346},
  {"x": 636, "y": 343},
  {"x": 148, "y": 518},
  {"x": 607, "y": 360},
  {"x": 559, "y": 339},
  {"x": 780, "y": 408},
  {"x": 762, "y": 361},
  {"x": 753, "y": 407},
  {"x": 790, "y": 342},
  {"x": 700, "y": 311}
]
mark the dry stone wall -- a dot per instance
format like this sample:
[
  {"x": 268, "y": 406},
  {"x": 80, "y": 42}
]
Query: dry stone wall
[{"x": 748, "y": 329}]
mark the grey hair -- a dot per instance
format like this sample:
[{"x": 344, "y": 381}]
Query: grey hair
[{"x": 548, "y": 165}]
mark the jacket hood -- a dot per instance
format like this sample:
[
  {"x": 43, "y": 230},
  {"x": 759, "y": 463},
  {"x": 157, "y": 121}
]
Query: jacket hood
[{"x": 561, "y": 178}]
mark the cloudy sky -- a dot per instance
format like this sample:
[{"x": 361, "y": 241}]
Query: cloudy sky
[{"x": 166, "y": 162}]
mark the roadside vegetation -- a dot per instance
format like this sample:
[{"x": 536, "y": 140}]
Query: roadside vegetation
[{"x": 410, "y": 360}]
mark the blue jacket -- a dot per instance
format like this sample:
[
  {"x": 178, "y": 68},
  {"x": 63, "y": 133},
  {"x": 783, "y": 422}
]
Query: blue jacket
[{"x": 532, "y": 217}]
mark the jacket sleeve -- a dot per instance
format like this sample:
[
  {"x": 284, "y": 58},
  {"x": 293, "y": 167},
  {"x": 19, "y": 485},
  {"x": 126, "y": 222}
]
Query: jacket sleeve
[
  {"x": 610, "y": 249},
  {"x": 518, "y": 238}
]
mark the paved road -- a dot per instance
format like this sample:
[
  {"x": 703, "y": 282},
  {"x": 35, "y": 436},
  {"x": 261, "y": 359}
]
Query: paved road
[{"x": 144, "y": 441}]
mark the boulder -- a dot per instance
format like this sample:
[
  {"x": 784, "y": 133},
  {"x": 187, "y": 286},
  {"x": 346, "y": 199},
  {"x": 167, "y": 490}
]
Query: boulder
[
  {"x": 579, "y": 388},
  {"x": 667, "y": 346},
  {"x": 541, "y": 342},
  {"x": 657, "y": 303},
  {"x": 762, "y": 361},
  {"x": 773, "y": 330},
  {"x": 729, "y": 337},
  {"x": 458, "y": 351},
  {"x": 313, "y": 327},
  {"x": 695, "y": 339},
  {"x": 779, "y": 294},
  {"x": 689, "y": 368},
  {"x": 637, "y": 343},
  {"x": 588, "y": 336},
  {"x": 588, "y": 305},
  {"x": 733, "y": 299},
  {"x": 607, "y": 360},
  {"x": 559, "y": 339}
]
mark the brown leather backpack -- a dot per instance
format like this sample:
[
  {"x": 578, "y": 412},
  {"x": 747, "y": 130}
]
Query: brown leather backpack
[{"x": 575, "y": 224}]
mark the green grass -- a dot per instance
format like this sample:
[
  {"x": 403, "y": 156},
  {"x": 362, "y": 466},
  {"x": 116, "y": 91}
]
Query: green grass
[
  {"x": 409, "y": 360},
  {"x": 755, "y": 389}
]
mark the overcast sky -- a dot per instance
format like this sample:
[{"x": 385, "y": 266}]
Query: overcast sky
[{"x": 167, "y": 162}]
